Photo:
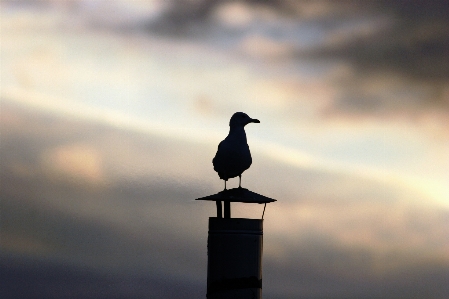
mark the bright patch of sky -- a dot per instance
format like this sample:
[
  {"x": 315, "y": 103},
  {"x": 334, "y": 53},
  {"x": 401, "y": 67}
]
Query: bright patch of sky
[{"x": 189, "y": 89}]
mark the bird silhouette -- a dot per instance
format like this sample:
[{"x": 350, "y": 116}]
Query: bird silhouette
[{"x": 233, "y": 156}]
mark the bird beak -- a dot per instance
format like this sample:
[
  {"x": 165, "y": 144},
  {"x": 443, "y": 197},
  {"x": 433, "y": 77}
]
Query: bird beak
[{"x": 253, "y": 120}]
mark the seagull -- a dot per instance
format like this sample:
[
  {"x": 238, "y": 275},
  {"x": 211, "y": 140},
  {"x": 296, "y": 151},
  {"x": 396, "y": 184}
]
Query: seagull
[{"x": 233, "y": 156}]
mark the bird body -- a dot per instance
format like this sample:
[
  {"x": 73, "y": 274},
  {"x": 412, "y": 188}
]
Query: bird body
[{"x": 233, "y": 156}]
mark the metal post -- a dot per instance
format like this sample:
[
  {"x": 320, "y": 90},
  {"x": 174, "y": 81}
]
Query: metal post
[
  {"x": 234, "y": 258},
  {"x": 234, "y": 248}
]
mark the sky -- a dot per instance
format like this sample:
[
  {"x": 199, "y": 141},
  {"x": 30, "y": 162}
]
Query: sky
[{"x": 111, "y": 112}]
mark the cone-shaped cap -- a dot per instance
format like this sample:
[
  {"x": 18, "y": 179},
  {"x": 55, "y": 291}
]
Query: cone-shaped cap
[{"x": 238, "y": 195}]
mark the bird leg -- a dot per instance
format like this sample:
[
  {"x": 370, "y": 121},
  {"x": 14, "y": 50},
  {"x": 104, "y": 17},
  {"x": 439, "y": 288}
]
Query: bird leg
[
  {"x": 240, "y": 181},
  {"x": 225, "y": 185}
]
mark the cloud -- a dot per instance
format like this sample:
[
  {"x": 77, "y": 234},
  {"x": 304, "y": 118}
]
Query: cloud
[
  {"x": 349, "y": 234},
  {"x": 51, "y": 279},
  {"x": 398, "y": 61},
  {"x": 396, "y": 50},
  {"x": 78, "y": 161}
]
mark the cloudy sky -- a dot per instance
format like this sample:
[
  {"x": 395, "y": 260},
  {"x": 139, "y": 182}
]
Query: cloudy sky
[{"x": 112, "y": 110}]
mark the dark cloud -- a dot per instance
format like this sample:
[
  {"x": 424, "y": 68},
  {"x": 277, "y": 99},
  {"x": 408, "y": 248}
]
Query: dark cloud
[
  {"x": 184, "y": 18},
  {"x": 414, "y": 43},
  {"x": 301, "y": 276},
  {"x": 410, "y": 45},
  {"x": 24, "y": 277}
]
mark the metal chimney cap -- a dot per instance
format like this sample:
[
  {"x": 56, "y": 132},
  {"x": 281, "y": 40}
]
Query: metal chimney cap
[{"x": 238, "y": 195}]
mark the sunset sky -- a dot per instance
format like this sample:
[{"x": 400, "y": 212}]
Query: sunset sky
[{"x": 112, "y": 110}]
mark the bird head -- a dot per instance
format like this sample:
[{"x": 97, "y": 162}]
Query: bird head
[{"x": 240, "y": 119}]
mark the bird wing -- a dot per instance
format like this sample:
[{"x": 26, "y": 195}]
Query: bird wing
[
  {"x": 230, "y": 161},
  {"x": 219, "y": 160}
]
